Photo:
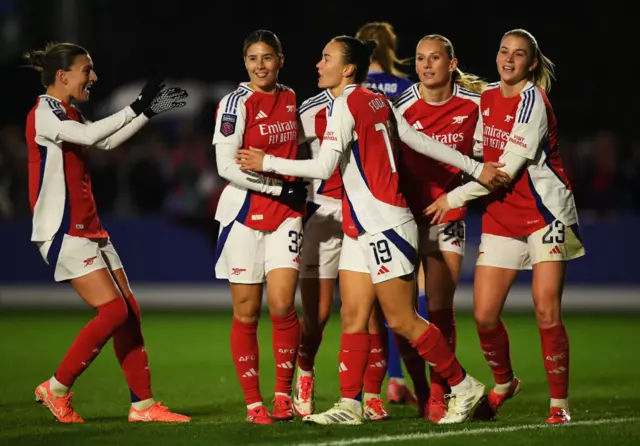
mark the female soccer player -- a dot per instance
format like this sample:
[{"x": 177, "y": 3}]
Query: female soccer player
[
  {"x": 383, "y": 73},
  {"x": 378, "y": 255},
  {"x": 260, "y": 222},
  {"x": 68, "y": 232},
  {"x": 385, "y": 76},
  {"x": 443, "y": 105},
  {"x": 319, "y": 261},
  {"x": 532, "y": 224}
]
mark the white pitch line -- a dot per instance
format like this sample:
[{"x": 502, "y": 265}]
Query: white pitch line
[{"x": 463, "y": 432}]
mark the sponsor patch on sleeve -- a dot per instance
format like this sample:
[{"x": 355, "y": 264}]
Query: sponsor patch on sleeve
[{"x": 228, "y": 124}]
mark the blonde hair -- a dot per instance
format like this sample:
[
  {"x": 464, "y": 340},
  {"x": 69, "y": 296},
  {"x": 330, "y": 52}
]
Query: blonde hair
[
  {"x": 468, "y": 81},
  {"x": 544, "y": 72},
  {"x": 385, "y": 52}
]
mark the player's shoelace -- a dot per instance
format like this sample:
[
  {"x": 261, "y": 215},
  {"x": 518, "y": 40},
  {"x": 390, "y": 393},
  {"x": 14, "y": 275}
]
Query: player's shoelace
[
  {"x": 283, "y": 404},
  {"x": 306, "y": 387},
  {"x": 67, "y": 409},
  {"x": 376, "y": 405}
]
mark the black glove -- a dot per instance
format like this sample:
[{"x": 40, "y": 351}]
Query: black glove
[
  {"x": 294, "y": 193},
  {"x": 166, "y": 100},
  {"x": 148, "y": 93}
]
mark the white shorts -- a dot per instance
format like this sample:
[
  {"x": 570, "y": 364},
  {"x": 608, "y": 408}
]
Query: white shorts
[
  {"x": 553, "y": 243},
  {"x": 386, "y": 255},
  {"x": 246, "y": 255},
  {"x": 448, "y": 236},
  {"x": 320, "y": 255},
  {"x": 74, "y": 257}
]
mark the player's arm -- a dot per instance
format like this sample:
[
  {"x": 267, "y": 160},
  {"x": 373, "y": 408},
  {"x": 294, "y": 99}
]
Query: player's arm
[
  {"x": 123, "y": 134},
  {"x": 435, "y": 149},
  {"x": 461, "y": 195},
  {"x": 523, "y": 144},
  {"x": 56, "y": 126},
  {"x": 227, "y": 140},
  {"x": 336, "y": 140}
]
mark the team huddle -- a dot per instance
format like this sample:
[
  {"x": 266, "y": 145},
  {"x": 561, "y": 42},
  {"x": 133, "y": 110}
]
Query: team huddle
[{"x": 364, "y": 185}]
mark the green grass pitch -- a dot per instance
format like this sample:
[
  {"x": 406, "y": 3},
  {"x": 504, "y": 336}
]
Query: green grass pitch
[{"x": 192, "y": 373}]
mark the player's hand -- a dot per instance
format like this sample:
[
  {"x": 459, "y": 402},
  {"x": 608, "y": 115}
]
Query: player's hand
[
  {"x": 166, "y": 100},
  {"x": 250, "y": 159},
  {"x": 294, "y": 193},
  {"x": 492, "y": 178},
  {"x": 148, "y": 93},
  {"x": 438, "y": 209}
]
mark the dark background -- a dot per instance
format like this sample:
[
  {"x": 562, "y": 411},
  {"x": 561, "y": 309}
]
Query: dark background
[{"x": 165, "y": 178}]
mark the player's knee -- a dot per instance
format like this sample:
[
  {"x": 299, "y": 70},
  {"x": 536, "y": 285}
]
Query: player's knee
[
  {"x": 401, "y": 326},
  {"x": 548, "y": 316},
  {"x": 354, "y": 319},
  {"x": 280, "y": 307},
  {"x": 486, "y": 320},
  {"x": 246, "y": 312}
]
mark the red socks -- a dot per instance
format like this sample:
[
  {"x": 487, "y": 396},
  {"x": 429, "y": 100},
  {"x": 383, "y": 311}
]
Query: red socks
[
  {"x": 353, "y": 357},
  {"x": 555, "y": 353},
  {"x": 495, "y": 348},
  {"x": 90, "y": 340},
  {"x": 445, "y": 321},
  {"x": 377, "y": 363},
  {"x": 433, "y": 347},
  {"x": 244, "y": 349},
  {"x": 128, "y": 344},
  {"x": 285, "y": 339}
]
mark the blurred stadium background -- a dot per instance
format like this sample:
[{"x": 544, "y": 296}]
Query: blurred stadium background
[{"x": 157, "y": 194}]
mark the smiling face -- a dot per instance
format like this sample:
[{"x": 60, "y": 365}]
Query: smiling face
[
  {"x": 516, "y": 61},
  {"x": 434, "y": 65},
  {"x": 79, "y": 78},
  {"x": 331, "y": 66},
  {"x": 263, "y": 63}
]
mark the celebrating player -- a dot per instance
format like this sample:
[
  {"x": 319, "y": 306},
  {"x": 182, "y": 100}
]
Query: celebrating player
[
  {"x": 260, "y": 222},
  {"x": 384, "y": 76},
  {"x": 68, "y": 232},
  {"x": 443, "y": 105},
  {"x": 532, "y": 224},
  {"x": 319, "y": 261},
  {"x": 378, "y": 255}
]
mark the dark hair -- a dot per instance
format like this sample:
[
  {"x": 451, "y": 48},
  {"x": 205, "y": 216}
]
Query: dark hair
[
  {"x": 358, "y": 53},
  {"x": 54, "y": 57},
  {"x": 264, "y": 36}
]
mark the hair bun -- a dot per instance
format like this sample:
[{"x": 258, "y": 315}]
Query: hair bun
[{"x": 35, "y": 59}]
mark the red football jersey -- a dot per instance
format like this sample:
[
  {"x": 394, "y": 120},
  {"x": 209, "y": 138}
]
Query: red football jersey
[
  {"x": 248, "y": 118},
  {"x": 526, "y": 125},
  {"x": 59, "y": 180},
  {"x": 454, "y": 123},
  {"x": 360, "y": 126}
]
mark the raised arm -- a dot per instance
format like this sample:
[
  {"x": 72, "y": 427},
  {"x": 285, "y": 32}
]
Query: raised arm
[{"x": 55, "y": 125}]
